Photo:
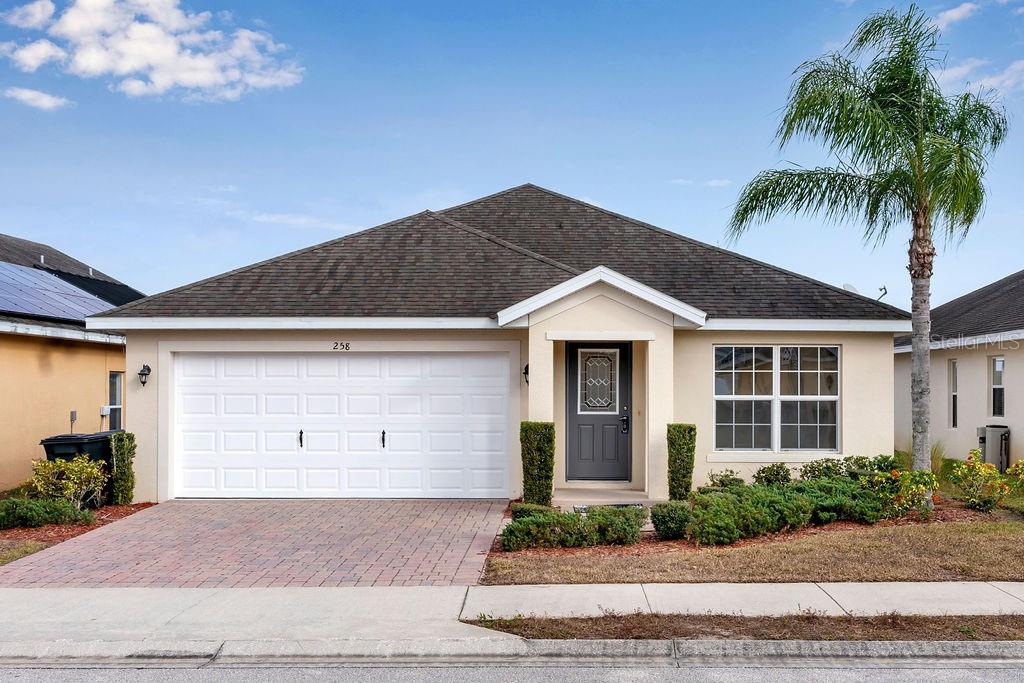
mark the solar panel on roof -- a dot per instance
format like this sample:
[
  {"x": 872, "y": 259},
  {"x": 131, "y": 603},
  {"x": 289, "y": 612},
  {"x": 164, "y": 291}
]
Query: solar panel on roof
[{"x": 30, "y": 291}]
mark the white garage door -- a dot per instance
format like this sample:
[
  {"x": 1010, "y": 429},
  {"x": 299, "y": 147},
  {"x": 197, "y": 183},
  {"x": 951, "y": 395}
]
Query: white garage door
[{"x": 350, "y": 425}]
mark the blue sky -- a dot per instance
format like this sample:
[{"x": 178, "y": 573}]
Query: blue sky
[{"x": 303, "y": 121}]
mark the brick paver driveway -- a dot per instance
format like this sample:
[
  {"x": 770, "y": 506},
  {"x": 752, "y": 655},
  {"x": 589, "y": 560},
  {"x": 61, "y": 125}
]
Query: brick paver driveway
[{"x": 240, "y": 543}]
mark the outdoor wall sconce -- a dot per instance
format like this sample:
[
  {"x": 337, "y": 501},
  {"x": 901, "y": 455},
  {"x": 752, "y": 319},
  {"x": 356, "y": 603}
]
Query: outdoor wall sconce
[
  {"x": 526, "y": 373},
  {"x": 144, "y": 374}
]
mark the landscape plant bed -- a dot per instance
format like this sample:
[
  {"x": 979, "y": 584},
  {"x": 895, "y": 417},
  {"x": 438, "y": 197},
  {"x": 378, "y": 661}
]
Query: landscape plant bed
[
  {"x": 56, "y": 533},
  {"x": 800, "y": 627},
  {"x": 985, "y": 548}
]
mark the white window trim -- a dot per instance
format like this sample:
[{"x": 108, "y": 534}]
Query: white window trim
[
  {"x": 579, "y": 376},
  {"x": 992, "y": 386},
  {"x": 777, "y": 399},
  {"x": 116, "y": 406}
]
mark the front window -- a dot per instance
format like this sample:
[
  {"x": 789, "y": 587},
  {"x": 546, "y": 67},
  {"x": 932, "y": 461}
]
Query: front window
[
  {"x": 777, "y": 398},
  {"x": 115, "y": 398},
  {"x": 998, "y": 391}
]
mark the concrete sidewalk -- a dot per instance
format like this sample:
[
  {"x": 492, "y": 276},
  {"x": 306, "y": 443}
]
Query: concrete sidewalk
[{"x": 409, "y": 613}]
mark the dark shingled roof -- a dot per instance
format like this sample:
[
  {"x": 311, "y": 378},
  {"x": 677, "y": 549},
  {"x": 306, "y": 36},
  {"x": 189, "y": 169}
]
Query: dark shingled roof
[
  {"x": 27, "y": 253},
  {"x": 478, "y": 258},
  {"x": 998, "y": 307}
]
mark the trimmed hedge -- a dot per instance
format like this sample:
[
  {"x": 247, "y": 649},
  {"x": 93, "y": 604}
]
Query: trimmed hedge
[
  {"x": 520, "y": 510},
  {"x": 839, "y": 498},
  {"x": 35, "y": 512},
  {"x": 537, "y": 441},
  {"x": 123, "y": 476},
  {"x": 776, "y": 474},
  {"x": 553, "y": 529},
  {"x": 671, "y": 519},
  {"x": 682, "y": 446}
]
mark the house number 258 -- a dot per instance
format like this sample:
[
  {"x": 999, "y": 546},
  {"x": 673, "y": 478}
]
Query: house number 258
[{"x": 342, "y": 346}]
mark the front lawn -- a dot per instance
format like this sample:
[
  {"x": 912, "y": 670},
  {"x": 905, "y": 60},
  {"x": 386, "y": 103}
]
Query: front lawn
[
  {"x": 988, "y": 547},
  {"x": 15, "y": 550},
  {"x": 18, "y": 542},
  {"x": 799, "y": 627}
]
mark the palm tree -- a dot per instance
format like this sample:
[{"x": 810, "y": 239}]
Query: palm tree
[{"x": 906, "y": 155}]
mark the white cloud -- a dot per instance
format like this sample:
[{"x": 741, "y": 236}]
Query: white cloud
[
  {"x": 955, "y": 74},
  {"x": 1018, "y": 10},
  {"x": 717, "y": 182},
  {"x": 956, "y": 14},
  {"x": 33, "y": 15},
  {"x": 36, "y": 98},
  {"x": 299, "y": 220},
  {"x": 1009, "y": 78},
  {"x": 32, "y": 56},
  {"x": 153, "y": 47}
]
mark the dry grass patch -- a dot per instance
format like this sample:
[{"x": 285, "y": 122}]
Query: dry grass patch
[
  {"x": 800, "y": 627},
  {"x": 947, "y": 551},
  {"x": 15, "y": 550}
]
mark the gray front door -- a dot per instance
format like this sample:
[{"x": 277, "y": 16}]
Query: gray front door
[{"x": 598, "y": 398}]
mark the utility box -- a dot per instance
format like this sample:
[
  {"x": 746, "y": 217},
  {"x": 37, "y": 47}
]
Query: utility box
[{"x": 994, "y": 442}]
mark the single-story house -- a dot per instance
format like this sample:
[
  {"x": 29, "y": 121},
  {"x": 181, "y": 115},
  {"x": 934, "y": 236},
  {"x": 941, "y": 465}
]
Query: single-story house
[
  {"x": 977, "y": 369},
  {"x": 50, "y": 364},
  {"x": 400, "y": 360}
]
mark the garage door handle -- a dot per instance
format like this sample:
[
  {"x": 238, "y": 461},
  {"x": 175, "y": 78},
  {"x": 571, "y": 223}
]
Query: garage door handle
[
  {"x": 300, "y": 438},
  {"x": 383, "y": 439}
]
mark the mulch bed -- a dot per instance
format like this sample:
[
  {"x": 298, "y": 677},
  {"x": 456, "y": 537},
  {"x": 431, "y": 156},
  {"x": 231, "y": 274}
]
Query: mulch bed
[
  {"x": 796, "y": 627},
  {"x": 946, "y": 510},
  {"x": 56, "y": 533}
]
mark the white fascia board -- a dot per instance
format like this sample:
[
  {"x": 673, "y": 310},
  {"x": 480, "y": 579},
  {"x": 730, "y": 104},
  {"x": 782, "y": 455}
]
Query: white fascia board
[
  {"x": 961, "y": 342},
  {"x": 33, "y": 330},
  {"x": 805, "y": 325},
  {"x": 574, "y": 335},
  {"x": 287, "y": 323},
  {"x": 692, "y": 315}
]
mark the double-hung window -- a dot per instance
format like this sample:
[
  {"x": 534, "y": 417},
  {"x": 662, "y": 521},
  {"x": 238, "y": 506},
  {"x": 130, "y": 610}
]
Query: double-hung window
[
  {"x": 116, "y": 393},
  {"x": 954, "y": 397},
  {"x": 783, "y": 398},
  {"x": 998, "y": 364}
]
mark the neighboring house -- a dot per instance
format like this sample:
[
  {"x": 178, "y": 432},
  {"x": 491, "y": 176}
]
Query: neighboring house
[
  {"x": 400, "y": 360},
  {"x": 977, "y": 369},
  {"x": 49, "y": 363}
]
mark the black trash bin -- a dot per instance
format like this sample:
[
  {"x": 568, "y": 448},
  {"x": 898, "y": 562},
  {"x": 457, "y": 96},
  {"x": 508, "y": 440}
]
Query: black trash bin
[{"x": 95, "y": 446}]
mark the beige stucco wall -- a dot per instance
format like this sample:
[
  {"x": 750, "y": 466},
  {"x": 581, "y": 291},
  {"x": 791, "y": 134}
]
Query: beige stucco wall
[
  {"x": 44, "y": 380},
  {"x": 866, "y": 407},
  {"x": 974, "y": 401}
]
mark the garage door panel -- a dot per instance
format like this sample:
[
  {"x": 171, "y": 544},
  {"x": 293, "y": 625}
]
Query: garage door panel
[{"x": 238, "y": 418}]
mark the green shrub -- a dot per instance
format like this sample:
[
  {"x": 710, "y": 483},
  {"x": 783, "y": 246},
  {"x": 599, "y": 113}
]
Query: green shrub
[
  {"x": 671, "y": 519},
  {"x": 682, "y": 445},
  {"x": 839, "y": 499},
  {"x": 776, "y": 474},
  {"x": 782, "y": 508},
  {"x": 23, "y": 490},
  {"x": 946, "y": 468},
  {"x": 520, "y": 510},
  {"x": 35, "y": 512},
  {"x": 900, "y": 491},
  {"x": 856, "y": 466},
  {"x": 979, "y": 484},
  {"x": 821, "y": 468},
  {"x": 78, "y": 480},
  {"x": 888, "y": 463},
  {"x": 537, "y": 440},
  {"x": 616, "y": 526},
  {"x": 726, "y": 479},
  {"x": 714, "y": 519},
  {"x": 123, "y": 476},
  {"x": 546, "y": 530}
]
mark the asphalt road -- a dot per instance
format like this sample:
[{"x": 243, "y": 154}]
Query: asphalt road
[{"x": 867, "y": 671}]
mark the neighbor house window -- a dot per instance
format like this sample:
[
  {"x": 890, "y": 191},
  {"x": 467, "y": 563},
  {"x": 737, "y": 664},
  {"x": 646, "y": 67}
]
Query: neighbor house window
[
  {"x": 777, "y": 398},
  {"x": 954, "y": 416},
  {"x": 998, "y": 391},
  {"x": 115, "y": 399}
]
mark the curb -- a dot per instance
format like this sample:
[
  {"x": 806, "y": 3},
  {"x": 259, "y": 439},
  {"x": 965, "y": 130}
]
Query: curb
[{"x": 650, "y": 652}]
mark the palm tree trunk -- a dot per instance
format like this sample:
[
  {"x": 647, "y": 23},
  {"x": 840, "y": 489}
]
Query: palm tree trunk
[{"x": 922, "y": 257}]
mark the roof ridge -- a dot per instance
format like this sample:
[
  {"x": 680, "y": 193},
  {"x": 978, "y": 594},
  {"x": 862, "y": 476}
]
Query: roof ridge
[
  {"x": 705, "y": 245},
  {"x": 505, "y": 243},
  {"x": 264, "y": 262}
]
